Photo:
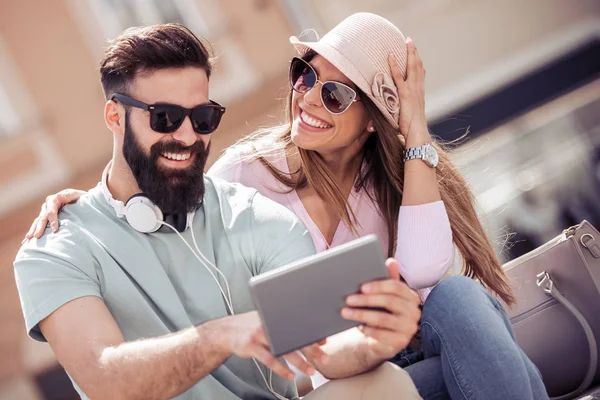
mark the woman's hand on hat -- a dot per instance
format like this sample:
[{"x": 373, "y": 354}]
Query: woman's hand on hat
[{"x": 411, "y": 92}]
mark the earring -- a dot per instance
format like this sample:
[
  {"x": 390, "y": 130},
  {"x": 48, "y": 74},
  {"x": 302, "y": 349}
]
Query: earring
[{"x": 371, "y": 129}]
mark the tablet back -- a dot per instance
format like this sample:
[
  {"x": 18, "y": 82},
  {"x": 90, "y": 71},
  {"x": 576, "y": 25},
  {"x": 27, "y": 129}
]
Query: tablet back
[{"x": 300, "y": 303}]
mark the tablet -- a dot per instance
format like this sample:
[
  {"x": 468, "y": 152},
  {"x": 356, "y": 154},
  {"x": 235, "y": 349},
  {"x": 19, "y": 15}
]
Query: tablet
[{"x": 300, "y": 303}]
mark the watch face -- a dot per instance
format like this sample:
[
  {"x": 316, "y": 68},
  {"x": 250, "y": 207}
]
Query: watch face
[{"x": 432, "y": 156}]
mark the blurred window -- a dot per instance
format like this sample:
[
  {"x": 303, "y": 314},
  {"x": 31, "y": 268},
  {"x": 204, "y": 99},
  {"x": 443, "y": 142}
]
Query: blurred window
[
  {"x": 13, "y": 96},
  {"x": 538, "y": 173},
  {"x": 10, "y": 123},
  {"x": 324, "y": 15},
  {"x": 234, "y": 76},
  {"x": 117, "y": 15}
]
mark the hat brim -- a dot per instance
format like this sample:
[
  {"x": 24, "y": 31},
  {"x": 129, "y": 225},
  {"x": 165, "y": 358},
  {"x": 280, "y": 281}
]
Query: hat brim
[{"x": 345, "y": 65}]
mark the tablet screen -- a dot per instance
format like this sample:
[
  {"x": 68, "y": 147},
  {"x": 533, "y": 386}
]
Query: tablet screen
[{"x": 300, "y": 303}]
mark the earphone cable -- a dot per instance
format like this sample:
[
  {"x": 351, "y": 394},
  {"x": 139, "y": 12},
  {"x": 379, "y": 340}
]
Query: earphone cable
[
  {"x": 216, "y": 269},
  {"x": 227, "y": 299}
]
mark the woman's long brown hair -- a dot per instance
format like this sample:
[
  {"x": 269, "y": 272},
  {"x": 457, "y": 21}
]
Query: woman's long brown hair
[{"x": 383, "y": 173}]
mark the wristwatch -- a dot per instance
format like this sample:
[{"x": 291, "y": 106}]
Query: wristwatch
[{"x": 427, "y": 153}]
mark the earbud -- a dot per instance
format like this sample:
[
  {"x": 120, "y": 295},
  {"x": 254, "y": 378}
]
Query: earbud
[{"x": 371, "y": 129}]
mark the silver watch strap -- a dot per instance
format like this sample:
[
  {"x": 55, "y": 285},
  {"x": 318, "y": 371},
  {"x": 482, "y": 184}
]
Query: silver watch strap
[{"x": 415, "y": 152}]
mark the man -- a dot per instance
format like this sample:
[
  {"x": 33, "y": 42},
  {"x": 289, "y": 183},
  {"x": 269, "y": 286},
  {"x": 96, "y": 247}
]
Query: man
[{"x": 126, "y": 303}]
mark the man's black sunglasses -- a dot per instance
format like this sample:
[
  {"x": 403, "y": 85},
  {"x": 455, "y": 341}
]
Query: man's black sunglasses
[{"x": 167, "y": 118}]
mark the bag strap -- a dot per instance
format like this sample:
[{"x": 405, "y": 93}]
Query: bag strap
[{"x": 545, "y": 282}]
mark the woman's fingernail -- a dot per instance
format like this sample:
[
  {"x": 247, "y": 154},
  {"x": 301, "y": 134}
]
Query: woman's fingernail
[
  {"x": 311, "y": 371},
  {"x": 24, "y": 240},
  {"x": 346, "y": 312},
  {"x": 352, "y": 300}
]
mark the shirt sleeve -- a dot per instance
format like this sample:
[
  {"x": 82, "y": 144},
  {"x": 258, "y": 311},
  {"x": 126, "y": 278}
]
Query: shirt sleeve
[
  {"x": 425, "y": 248},
  {"x": 52, "y": 271},
  {"x": 278, "y": 236}
]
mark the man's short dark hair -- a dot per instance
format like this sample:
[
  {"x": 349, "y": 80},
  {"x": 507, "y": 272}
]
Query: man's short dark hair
[{"x": 142, "y": 50}]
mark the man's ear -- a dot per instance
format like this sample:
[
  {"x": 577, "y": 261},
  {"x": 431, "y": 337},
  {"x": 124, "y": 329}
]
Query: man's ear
[{"x": 114, "y": 117}]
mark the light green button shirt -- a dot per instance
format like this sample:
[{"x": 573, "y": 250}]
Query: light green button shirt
[{"x": 152, "y": 283}]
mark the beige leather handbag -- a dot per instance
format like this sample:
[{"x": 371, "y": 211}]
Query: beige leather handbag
[{"x": 557, "y": 317}]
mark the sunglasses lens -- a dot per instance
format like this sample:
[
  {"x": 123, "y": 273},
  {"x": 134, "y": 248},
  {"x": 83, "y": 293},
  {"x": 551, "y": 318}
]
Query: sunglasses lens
[
  {"x": 336, "y": 97},
  {"x": 302, "y": 76},
  {"x": 166, "y": 118},
  {"x": 205, "y": 119}
]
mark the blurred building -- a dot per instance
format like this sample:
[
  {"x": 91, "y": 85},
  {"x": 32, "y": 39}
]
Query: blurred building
[{"x": 521, "y": 76}]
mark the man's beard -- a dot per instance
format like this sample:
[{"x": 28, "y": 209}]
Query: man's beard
[{"x": 173, "y": 190}]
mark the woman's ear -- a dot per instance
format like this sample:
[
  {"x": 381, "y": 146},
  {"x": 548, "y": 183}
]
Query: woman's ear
[
  {"x": 371, "y": 127},
  {"x": 114, "y": 117}
]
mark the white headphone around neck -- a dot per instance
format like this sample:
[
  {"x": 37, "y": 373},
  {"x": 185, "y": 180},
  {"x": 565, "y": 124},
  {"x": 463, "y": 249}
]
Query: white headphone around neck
[{"x": 141, "y": 213}]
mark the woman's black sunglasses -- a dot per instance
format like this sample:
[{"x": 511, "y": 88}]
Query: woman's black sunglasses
[
  {"x": 167, "y": 118},
  {"x": 337, "y": 97}
]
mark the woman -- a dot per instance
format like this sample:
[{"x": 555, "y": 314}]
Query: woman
[{"x": 356, "y": 158}]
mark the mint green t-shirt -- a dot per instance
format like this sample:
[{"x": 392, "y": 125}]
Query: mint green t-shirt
[{"x": 152, "y": 283}]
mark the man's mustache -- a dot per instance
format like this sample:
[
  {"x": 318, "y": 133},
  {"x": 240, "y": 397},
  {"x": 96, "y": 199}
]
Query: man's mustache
[{"x": 176, "y": 147}]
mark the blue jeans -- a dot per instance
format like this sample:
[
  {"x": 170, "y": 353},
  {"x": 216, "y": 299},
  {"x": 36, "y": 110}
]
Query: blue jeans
[{"x": 469, "y": 349}]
